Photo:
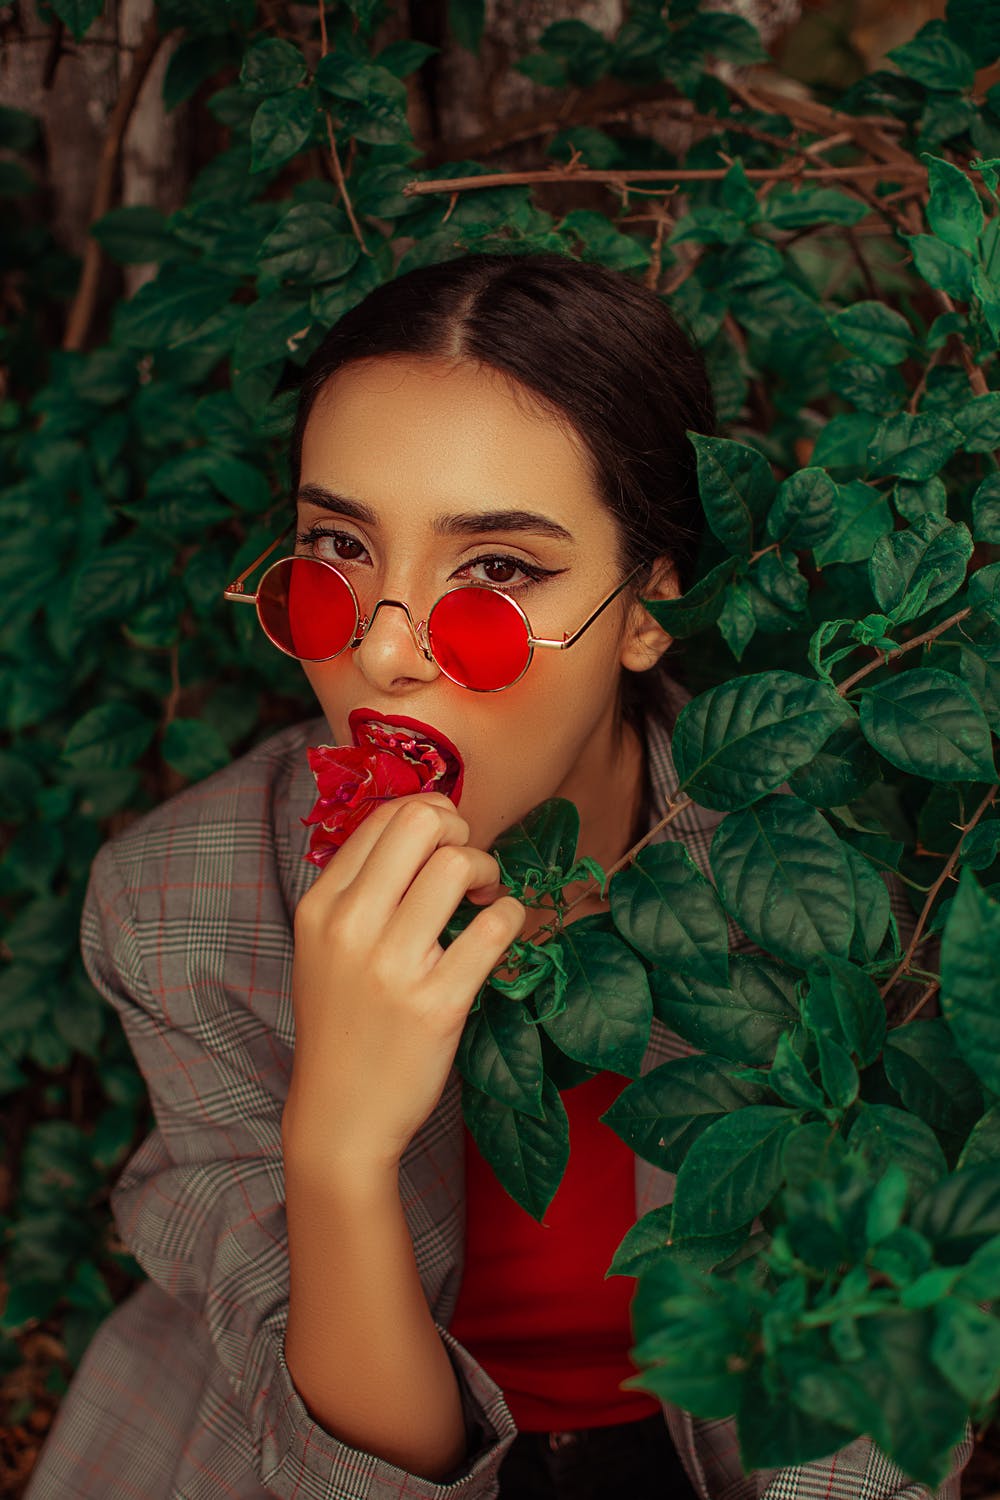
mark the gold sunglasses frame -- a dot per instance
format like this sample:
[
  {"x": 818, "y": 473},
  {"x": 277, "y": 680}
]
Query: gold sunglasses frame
[{"x": 236, "y": 594}]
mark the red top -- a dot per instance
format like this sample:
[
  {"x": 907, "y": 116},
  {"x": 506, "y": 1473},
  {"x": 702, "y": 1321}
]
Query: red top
[{"x": 534, "y": 1308}]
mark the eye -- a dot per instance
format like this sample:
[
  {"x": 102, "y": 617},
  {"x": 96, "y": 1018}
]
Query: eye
[
  {"x": 500, "y": 571},
  {"x": 331, "y": 545}
]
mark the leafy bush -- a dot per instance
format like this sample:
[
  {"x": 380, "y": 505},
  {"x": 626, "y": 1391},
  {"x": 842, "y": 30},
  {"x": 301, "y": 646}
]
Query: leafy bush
[{"x": 830, "y": 1261}]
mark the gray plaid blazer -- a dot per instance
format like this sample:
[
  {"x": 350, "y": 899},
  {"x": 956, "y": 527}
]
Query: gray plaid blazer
[{"x": 184, "y": 1393}]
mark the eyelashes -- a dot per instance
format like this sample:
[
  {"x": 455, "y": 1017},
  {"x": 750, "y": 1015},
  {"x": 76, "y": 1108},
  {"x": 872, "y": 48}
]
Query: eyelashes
[{"x": 533, "y": 574}]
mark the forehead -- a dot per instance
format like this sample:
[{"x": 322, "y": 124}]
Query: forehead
[{"x": 417, "y": 431}]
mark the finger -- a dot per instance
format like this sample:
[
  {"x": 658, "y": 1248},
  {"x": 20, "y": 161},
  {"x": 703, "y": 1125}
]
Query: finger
[
  {"x": 400, "y": 853},
  {"x": 450, "y": 872},
  {"x": 467, "y": 963},
  {"x": 353, "y": 855}
]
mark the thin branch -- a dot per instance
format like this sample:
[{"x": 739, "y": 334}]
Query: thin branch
[
  {"x": 925, "y": 995},
  {"x": 84, "y": 303},
  {"x": 619, "y": 178},
  {"x": 595, "y": 886},
  {"x": 952, "y": 860},
  {"x": 883, "y": 658},
  {"x": 335, "y": 163},
  {"x": 341, "y": 181}
]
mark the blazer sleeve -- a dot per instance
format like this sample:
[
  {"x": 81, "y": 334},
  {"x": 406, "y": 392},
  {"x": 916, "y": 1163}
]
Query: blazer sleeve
[
  {"x": 201, "y": 1207},
  {"x": 861, "y": 1471}
]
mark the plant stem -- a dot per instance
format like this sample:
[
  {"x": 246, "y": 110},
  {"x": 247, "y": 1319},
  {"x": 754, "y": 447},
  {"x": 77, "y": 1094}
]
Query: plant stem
[
  {"x": 82, "y": 311},
  {"x": 950, "y": 864},
  {"x": 882, "y": 658},
  {"x": 335, "y": 164},
  {"x": 673, "y": 809},
  {"x": 876, "y": 170}
]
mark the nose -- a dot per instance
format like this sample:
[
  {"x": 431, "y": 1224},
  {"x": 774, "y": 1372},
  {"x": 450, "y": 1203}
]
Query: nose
[{"x": 390, "y": 654}]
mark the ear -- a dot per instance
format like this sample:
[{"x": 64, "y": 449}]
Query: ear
[{"x": 644, "y": 641}]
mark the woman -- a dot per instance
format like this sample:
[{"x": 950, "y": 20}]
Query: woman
[{"x": 517, "y": 422}]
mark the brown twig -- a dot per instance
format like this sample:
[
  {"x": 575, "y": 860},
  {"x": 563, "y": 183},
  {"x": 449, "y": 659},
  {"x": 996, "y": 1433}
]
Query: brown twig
[
  {"x": 883, "y": 657},
  {"x": 335, "y": 163},
  {"x": 950, "y": 864},
  {"x": 82, "y": 311},
  {"x": 619, "y": 178},
  {"x": 925, "y": 995},
  {"x": 595, "y": 886}
]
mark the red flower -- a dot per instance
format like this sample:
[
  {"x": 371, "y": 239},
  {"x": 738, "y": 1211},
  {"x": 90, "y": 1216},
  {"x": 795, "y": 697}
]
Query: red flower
[{"x": 351, "y": 782}]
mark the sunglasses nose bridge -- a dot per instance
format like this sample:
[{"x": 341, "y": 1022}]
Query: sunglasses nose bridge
[{"x": 418, "y": 631}]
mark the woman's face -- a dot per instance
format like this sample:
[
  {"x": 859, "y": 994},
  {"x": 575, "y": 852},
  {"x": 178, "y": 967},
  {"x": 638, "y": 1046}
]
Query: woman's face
[{"x": 418, "y": 475}]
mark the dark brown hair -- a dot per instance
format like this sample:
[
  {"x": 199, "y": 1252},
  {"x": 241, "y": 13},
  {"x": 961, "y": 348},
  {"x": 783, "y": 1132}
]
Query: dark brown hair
[{"x": 595, "y": 348}]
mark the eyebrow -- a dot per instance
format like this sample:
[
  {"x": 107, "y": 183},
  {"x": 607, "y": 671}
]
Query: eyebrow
[{"x": 464, "y": 523}]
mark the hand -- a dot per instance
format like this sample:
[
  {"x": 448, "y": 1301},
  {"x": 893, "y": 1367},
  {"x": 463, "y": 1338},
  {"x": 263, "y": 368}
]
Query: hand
[{"x": 379, "y": 1004}]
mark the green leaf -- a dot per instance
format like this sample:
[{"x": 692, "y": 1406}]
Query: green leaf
[
  {"x": 886, "y": 1205},
  {"x": 528, "y": 1156},
  {"x": 273, "y": 328},
  {"x": 915, "y": 500},
  {"x": 863, "y": 515},
  {"x": 970, "y": 978},
  {"x": 983, "y": 1144},
  {"x": 839, "y": 772},
  {"x": 649, "y": 1241},
  {"x": 789, "y": 1078},
  {"x": 134, "y": 234},
  {"x": 466, "y": 19},
  {"x": 744, "y": 738},
  {"x": 954, "y": 211},
  {"x": 281, "y": 126},
  {"x": 663, "y": 905},
  {"x": 966, "y": 1349},
  {"x": 917, "y": 569},
  {"x": 272, "y": 66},
  {"x": 783, "y": 876},
  {"x": 173, "y": 309},
  {"x": 980, "y": 1279},
  {"x": 193, "y": 748},
  {"x": 844, "y": 1004},
  {"x": 608, "y": 1011},
  {"x": 934, "y": 59},
  {"x": 108, "y": 737},
  {"x": 871, "y": 900},
  {"x": 928, "y": 723},
  {"x": 887, "y": 1137},
  {"x": 502, "y": 1057},
  {"x": 785, "y": 208},
  {"x": 838, "y": 1073},
  {"x": 675, "y": 1311},
  {"x": 78, "y": 15},
  {"x": 804, "y": 512},
  {"x": 870, "y": 387},
  {"x": 742, "y": 1020},
  {"x": 986, "y": 510},
  {"x": 404, "y": 57},
  {"x": 732, "y": 1171},
  {"x": 736, "y": 487},
  {"x": 192, "y": 62},
  {"x": 663, "y": 1113},
  {"x": 941, "y": 265},
  {"x": 914, "y": 447},
  {"x": 874, "y": 332},
  {"x": 979, "y": 419},
  {"x": 308, "y": 246},
  {"x": 882, "y": 1393},
  {"x": 925, "y": 1069},
  {"x": 116, "y": 580},
  {"x": 960, "y": 1214},
  {"x": 726, "y": 36},
  {"x": 699, "y": 607}
]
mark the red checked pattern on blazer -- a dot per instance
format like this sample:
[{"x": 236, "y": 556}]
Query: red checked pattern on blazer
[{"x": 184, "y": 1393}]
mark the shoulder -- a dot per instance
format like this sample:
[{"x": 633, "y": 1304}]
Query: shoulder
[{"x": 241, "y": 824}]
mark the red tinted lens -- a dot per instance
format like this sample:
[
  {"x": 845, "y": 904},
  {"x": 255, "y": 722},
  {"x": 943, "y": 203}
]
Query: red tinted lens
[
  {"x": 307, "y": 608},
  {"x": 479, "y": 638}
]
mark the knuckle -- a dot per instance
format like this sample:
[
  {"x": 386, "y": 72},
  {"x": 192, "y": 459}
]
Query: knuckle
[
  {"x": 455, "y": 859},
  {"x": 420, "y": 816}
]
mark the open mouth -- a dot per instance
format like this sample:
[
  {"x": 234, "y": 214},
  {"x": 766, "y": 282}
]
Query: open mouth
[{"x": 414, "y": 742}]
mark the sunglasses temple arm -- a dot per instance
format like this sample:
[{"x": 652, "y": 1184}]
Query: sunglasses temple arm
[
  {"x": 235, "y": 591},
  {"x": 571, "y": 639}
]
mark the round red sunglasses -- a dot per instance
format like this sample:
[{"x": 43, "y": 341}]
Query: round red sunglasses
[{"x": 479, "y": 637}]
